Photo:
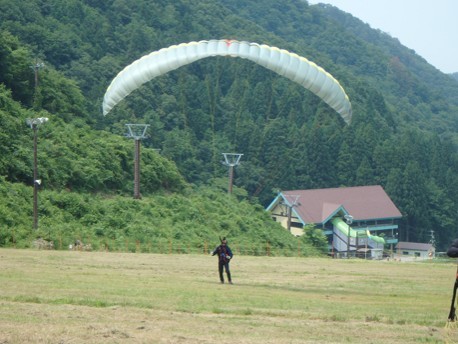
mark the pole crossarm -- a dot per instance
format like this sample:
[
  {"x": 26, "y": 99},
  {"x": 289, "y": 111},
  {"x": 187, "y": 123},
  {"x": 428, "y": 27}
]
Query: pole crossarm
[
  {"x": 231, "y": 160},
  {"x": 295, "y": 200},
  {"x": 137, "y": 131}
]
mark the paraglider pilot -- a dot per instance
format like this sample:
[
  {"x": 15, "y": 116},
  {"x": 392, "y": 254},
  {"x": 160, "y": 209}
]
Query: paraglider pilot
[{"x": 224, "y": 256}]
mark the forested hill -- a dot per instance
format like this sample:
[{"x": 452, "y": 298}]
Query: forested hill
[
  {"x": 419, "y": 69},
  {"x": 403, "y": 134}
]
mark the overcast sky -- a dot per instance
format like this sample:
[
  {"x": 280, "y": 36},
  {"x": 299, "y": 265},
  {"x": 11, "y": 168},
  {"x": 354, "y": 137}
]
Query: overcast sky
[{"x": 430, "y": 27}]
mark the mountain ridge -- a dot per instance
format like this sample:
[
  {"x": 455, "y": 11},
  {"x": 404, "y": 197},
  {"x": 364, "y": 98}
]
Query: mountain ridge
[{"x": 404, "y": 109}]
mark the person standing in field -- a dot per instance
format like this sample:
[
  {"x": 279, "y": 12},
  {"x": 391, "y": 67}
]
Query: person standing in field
[{"x": 224, "y": 256}]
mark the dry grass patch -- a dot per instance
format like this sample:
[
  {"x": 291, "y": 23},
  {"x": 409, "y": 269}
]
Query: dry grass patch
[{"x": 98, "y": 297}]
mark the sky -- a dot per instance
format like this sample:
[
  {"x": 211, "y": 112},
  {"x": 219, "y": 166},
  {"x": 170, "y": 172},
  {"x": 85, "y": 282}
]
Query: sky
[{"x": 430, "y": 27}]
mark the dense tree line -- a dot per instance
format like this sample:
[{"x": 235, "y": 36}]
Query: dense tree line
[{"x": 403, "y": 135}]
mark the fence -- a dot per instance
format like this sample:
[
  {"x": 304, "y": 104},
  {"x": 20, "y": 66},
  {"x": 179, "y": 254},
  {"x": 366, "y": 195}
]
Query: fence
[{"x": 166, "y": 247}]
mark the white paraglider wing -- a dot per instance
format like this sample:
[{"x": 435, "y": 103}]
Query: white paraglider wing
[{"x": 282, "y": 62}]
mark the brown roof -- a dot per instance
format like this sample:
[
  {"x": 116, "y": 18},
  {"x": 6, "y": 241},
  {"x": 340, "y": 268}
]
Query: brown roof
[
  {"x": 362, "y": 202},
  {"x": 403, "y": 245}
]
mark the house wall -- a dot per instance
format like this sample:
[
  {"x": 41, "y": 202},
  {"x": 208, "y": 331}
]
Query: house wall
[
  {"x": 297, "y": 231},
  {"x": 415, "y": 254},
  {"x": 279, "y": 215}
]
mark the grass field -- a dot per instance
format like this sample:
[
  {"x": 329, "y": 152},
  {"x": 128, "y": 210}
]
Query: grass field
[{"x": 98, "y": 297}]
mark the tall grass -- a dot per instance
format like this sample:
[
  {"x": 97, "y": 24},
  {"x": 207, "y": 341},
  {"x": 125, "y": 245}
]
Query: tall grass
[{"x": 103, "y": 297}]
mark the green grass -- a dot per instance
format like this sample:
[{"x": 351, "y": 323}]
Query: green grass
[{"x": 100, "y": 297}]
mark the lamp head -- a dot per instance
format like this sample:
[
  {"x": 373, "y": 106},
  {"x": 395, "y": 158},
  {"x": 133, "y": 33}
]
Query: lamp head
[{"x": 34, "y": 122}]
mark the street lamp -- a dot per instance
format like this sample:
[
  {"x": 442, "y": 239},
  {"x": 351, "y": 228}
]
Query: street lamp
[
  {"x": 349, "y": 221},
  {"x": 231, "y": 160},
  {"x": 34, "y": 123},
  {"x": 137, "y": 132}
]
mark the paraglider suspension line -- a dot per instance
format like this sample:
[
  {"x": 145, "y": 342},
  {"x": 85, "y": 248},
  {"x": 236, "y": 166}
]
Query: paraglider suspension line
[{"x": 452, "y": 314}]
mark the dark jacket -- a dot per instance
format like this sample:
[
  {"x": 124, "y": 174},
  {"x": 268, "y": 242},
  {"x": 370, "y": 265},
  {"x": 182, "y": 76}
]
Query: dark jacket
[
  {"x": 453, "y": 250},
  {"x": 224, "y": 253}
]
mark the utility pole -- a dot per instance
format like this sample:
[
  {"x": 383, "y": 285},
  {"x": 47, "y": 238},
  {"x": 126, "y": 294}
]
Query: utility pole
[
  {"x": 432, "y": 241},
  {"x": 137, "y": 132},
  {"x": 231, "y": 160},
  {"x": 290, "y": 206},
  {"x": 34, "y": 123},
  {"x": 349, "y": 221},
  {"x": 36, "y": 67}
]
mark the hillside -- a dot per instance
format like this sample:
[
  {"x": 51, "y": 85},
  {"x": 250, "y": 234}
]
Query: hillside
[{"x": 403, "y": 135}]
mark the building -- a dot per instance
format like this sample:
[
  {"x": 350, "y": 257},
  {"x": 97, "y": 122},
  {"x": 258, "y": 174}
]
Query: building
[
  {"x": 356, "y": 220},
  {"x": 415, "y": 250}
]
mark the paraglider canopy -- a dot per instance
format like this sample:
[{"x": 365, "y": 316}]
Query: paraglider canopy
[{"x": 282, "y": 62}]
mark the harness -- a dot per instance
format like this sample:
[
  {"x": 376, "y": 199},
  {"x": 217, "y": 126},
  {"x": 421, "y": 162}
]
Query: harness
[{"x": 223, "y": 254}]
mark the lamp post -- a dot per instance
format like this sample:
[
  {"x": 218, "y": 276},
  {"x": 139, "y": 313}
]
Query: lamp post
[
  {"x": 34, "y": 123},
  {"x": 137, "y": 132},
  {"x": 349, "y": 221},
  {"x": 231, "y": 160}
]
